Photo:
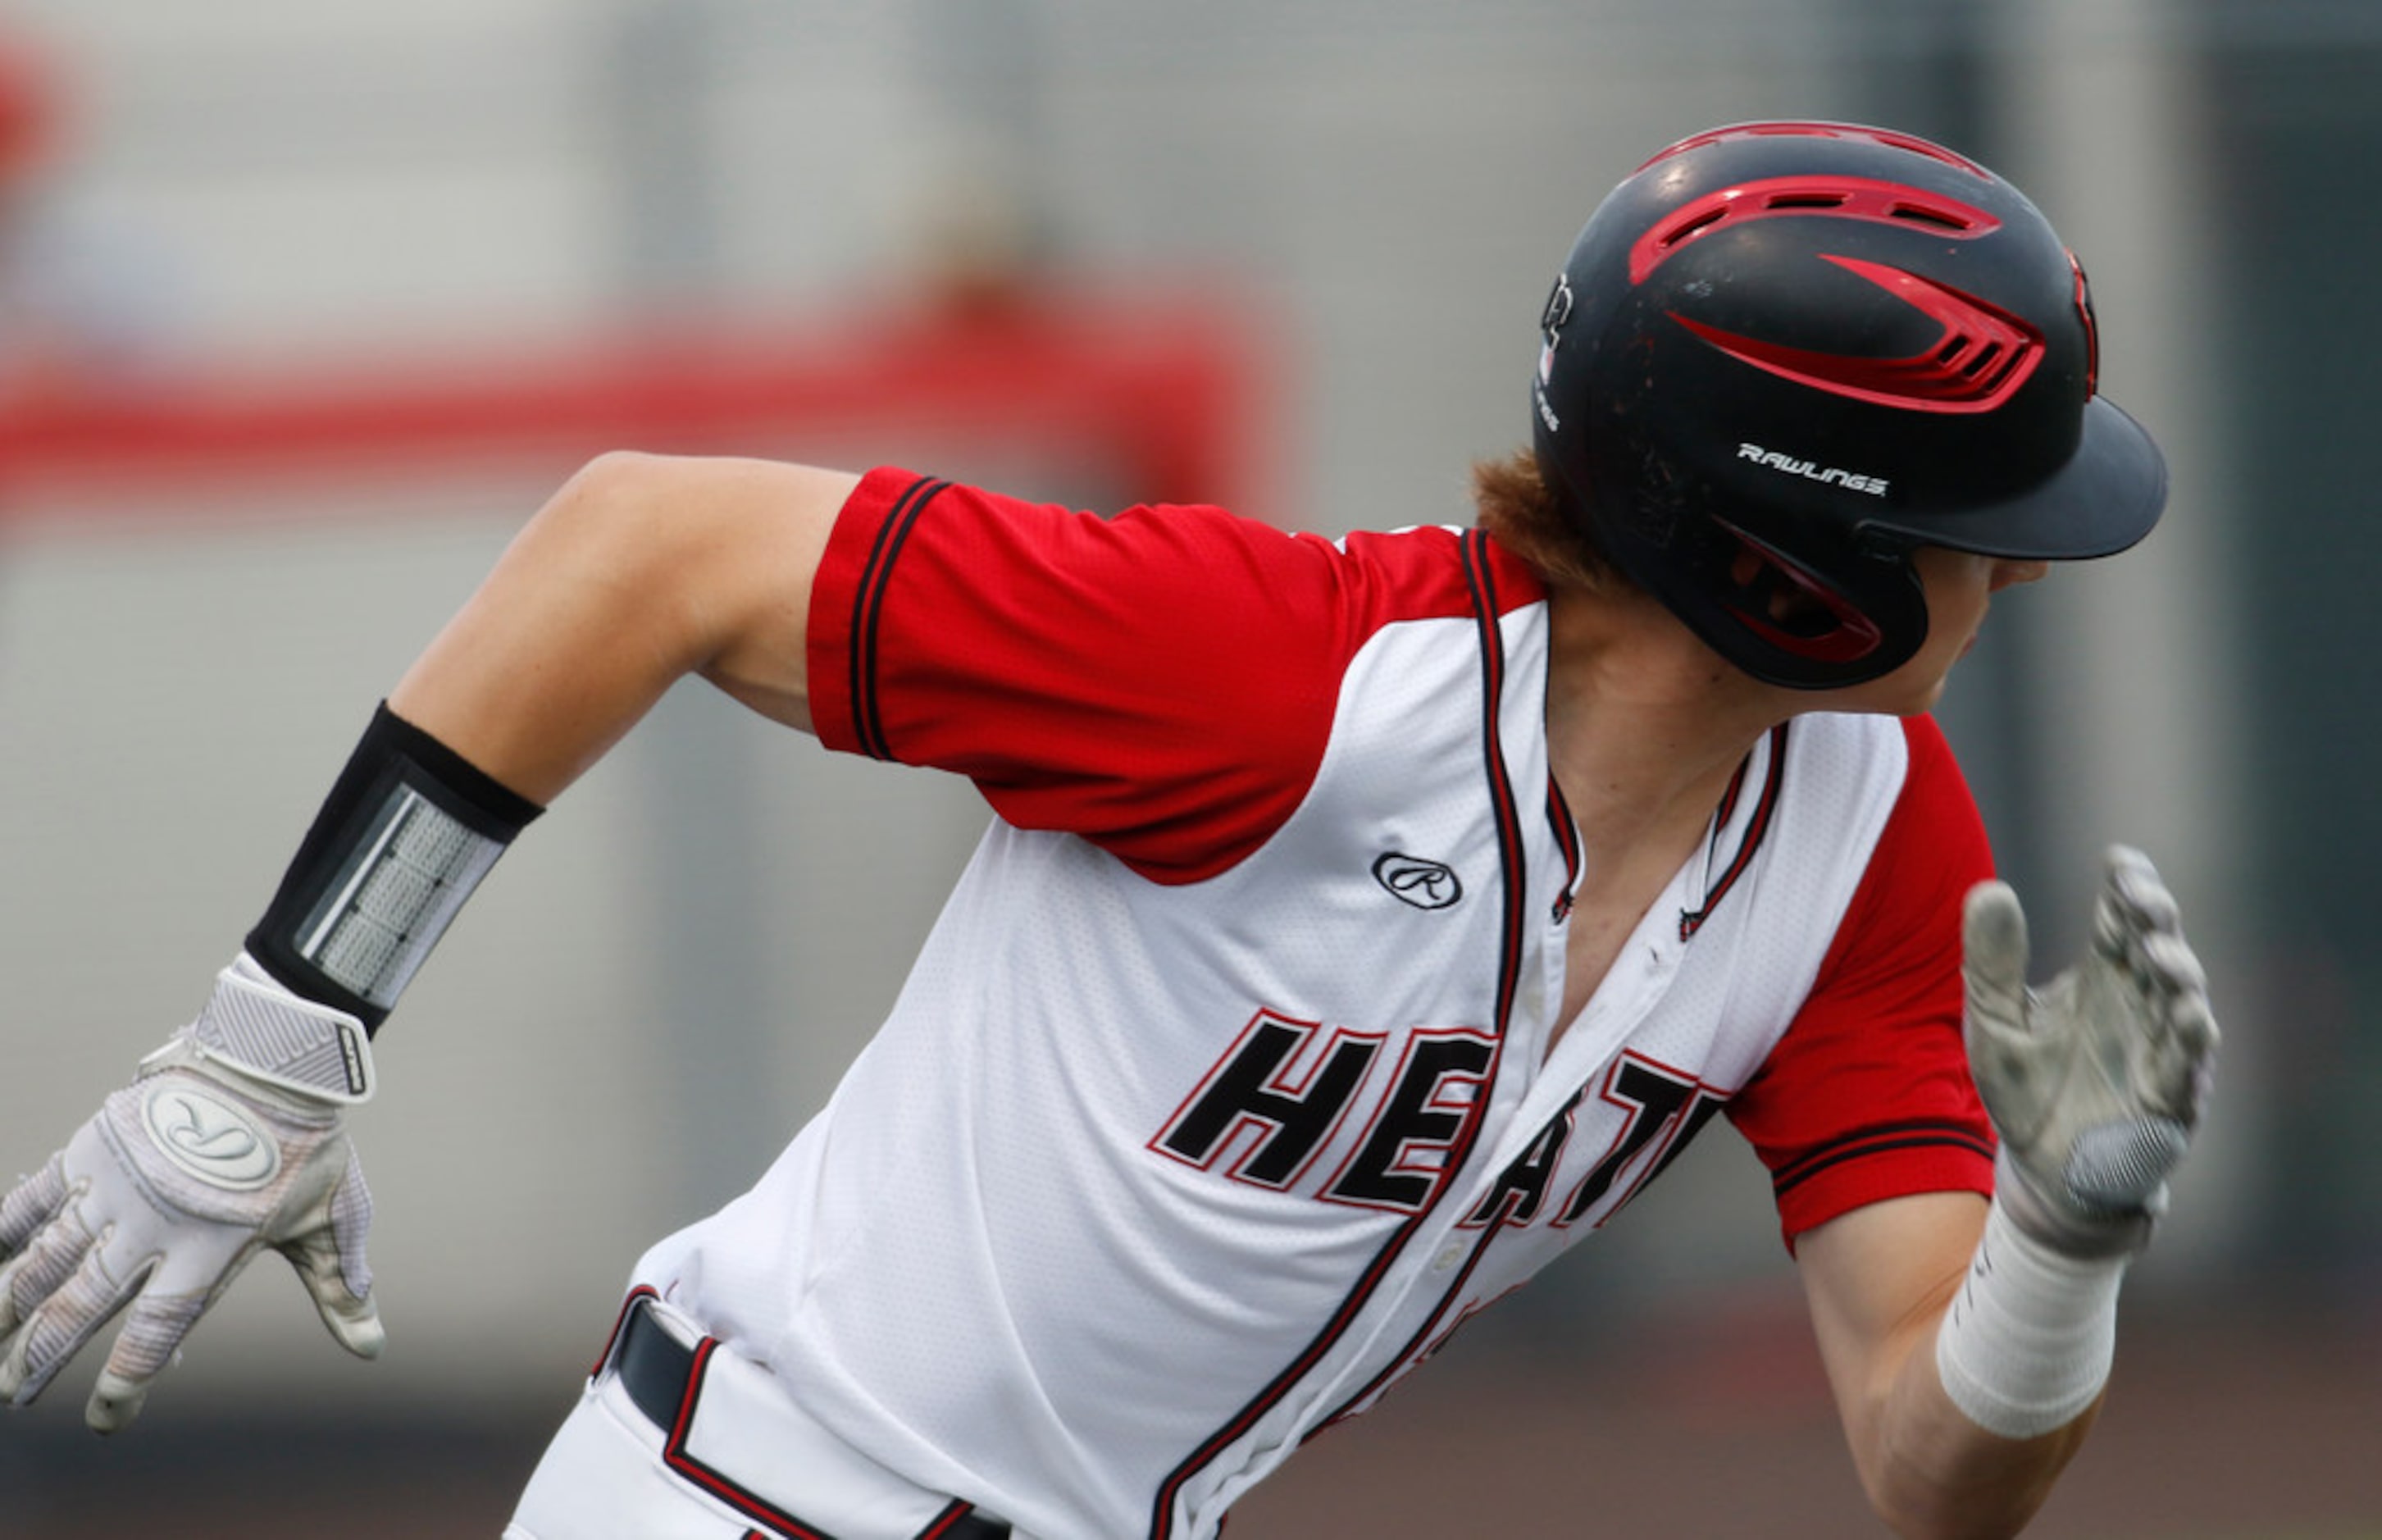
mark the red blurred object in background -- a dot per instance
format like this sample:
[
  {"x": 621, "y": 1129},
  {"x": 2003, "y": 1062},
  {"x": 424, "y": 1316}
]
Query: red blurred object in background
[{"x": 29, "y": 107}]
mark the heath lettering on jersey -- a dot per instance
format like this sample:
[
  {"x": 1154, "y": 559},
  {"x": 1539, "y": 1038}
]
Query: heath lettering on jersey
[
  {"x": 1295, "y": 1106},
  {"x": 1661, "y": 1110},
  {"x": 1288, "y": 1092}
]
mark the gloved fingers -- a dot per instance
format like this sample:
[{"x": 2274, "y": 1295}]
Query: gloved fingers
[
  {"x": 39, "y": 1272},
  {"x": 2192, "y": 1030},
  {"x": 2169, "y": 967},
  {"x": 32, "y": 1205},
  {"x": 2178, "y": 1063},
  {"x": 2142, "y": 931},
  {"x": 2139, "y": 929},
  {"x": 2182, "y": 1030},
  {"x": 2016, "y": 1067},
  {"x": 55, "y": 1330},
  {"x": 152, "y": 1335},
  {"x": 353, "y": 1318},
  {"x": 330, "y": 1258},
  {"x": 1994, "y": 954},
  {"x": 2134, "y": 894}
]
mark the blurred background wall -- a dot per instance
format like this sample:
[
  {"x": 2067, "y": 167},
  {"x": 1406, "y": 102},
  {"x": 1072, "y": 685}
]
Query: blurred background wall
[{"x": 1354, "y": 209}]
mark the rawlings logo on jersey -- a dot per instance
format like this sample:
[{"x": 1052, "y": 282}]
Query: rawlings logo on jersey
[
  {"x": 1288, "y": 1094},
  {"x": 1425, "y": 884}
]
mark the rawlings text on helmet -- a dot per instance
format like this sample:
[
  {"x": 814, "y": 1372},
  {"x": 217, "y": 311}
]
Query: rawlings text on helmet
[{"x": 1850, "y": 481}]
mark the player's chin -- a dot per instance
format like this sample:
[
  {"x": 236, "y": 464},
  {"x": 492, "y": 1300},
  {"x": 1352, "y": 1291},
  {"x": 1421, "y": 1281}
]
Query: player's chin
[
  {"x": 1924, "y": 693},
  {"x": 1910, "y": 691}
]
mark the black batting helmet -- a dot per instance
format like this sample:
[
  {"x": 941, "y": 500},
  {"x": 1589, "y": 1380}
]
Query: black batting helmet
[{"x": 1782, "y": 356}]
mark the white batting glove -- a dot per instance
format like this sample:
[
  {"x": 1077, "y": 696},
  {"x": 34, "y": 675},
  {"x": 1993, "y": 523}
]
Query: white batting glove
[
  {"x": 2095, "y": 1082},
  {"x": 228, "y": 1141}
]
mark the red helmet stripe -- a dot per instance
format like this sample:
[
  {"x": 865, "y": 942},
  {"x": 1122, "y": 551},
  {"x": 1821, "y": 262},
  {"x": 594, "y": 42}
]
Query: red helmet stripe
[
  {"x": 2091, "y": 328},
  {"x": 1977, "y": 362},
  {"x": 1827, "y": 197}
]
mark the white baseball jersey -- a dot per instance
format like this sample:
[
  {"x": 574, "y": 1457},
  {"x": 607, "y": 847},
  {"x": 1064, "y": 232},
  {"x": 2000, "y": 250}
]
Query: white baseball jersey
[{"x": 1221, "y": 1091}]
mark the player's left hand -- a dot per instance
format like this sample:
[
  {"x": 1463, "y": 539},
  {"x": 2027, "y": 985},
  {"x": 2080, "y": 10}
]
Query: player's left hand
[
  {"x": 2095, "y": 1082},
  {"x": 160, "y": 1200}
]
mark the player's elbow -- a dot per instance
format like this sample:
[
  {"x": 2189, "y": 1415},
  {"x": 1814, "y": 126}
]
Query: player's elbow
[
  {"x": 612, "y": 516},
  {"x": 615, "y": 509},
  {"x": 666, "y": 544},
  {"x": 698, "y": 565},
  {"x": 610, "y": 541}
]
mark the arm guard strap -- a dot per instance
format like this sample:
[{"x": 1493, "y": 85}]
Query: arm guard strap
[{"x": 410, "y": 828}]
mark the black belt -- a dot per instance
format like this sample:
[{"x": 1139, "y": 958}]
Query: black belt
[{"x": 654, "y": 1368}]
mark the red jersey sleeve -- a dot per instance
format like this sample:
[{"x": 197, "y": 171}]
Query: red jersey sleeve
[
  {"x": 1868, "y": 1096},
  {"x": 1162, "y": 682}
]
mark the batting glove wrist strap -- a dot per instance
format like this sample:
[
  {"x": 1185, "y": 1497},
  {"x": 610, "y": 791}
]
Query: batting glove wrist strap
[
  {"x": 260, "y": 1031},
  {"x": 2027, "y": 1343},
  {"x": 2095, "y": 1082}
]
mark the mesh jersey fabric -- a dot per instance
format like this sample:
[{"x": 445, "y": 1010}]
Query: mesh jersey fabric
[{"x": 1221, "y": 1091}]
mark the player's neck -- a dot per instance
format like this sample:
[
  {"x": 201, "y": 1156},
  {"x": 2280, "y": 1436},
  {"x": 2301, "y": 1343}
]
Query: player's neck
[{"x": 1645, "y": 724}]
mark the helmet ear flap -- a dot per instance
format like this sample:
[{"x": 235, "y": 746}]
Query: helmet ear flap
[
  {"x": 1788, "y": 622},
  {"x": 1790, "y": 606}
]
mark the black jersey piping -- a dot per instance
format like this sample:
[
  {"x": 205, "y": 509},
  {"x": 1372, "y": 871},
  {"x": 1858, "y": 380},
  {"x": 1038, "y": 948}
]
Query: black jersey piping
[
  {"x": 1481, "y": 582},
  {"x": 1566, "y": 837},
  {"x": 1510, "y": 969},
  {"x": 1728, "y": 798},
  {"x": 1879, "y": 1139},
  {"x": 1774, "y": 781},
  {"x": 868, "y": 609},
  {"x": 1489, "y": 1232}
]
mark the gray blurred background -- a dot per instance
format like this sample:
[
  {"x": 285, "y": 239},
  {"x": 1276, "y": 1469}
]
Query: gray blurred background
[{"x": 1345, "y": 215}]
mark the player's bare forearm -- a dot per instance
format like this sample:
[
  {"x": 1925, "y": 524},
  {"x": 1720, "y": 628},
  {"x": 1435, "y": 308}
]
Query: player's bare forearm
[
  {"x": 1931, "y": 1471},
  {"x": 640, "y": 571},
  {"x": 1879, "y": 1280}
]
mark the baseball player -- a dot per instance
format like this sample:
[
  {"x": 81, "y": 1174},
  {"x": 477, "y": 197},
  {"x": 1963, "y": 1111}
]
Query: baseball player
[{"x": 1362, "y": 922}]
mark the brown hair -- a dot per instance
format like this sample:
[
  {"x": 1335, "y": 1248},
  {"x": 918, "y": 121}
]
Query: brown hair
[{"x": 1512, "y": 502}]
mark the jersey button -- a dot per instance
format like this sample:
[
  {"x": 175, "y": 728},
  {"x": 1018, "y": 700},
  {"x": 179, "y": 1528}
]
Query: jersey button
[{"x": 1449, "y": 1255}]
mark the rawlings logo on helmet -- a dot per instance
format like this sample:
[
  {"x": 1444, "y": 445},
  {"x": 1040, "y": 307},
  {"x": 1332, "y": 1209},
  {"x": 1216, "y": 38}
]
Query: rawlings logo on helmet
[{"x": 1850, "y": 481}]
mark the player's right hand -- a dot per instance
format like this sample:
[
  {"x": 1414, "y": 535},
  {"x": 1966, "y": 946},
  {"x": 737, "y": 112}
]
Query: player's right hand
[
  {"x": 161, "y": 1198},
  {"x": 2094, "y": 1082}
]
